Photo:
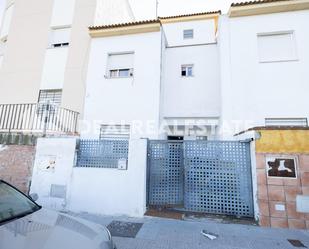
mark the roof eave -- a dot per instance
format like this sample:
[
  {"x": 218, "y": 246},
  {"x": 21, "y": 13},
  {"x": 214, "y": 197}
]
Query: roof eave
[{"x": 268, "y": 8}]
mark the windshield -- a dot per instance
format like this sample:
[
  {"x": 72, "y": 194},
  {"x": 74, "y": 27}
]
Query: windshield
[{"x": 13, "y": 204}]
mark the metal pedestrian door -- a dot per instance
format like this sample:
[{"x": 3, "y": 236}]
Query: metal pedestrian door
[{"x": 201, "y": 176}]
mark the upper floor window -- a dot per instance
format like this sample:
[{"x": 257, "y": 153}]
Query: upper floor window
[
  {"x": 188, "y": 34},
  {"x": 59, "y": 37},
  {"x": 51, "y": 98},
  {"x": 302, "y": 122},
  {"x": 120, "y": 65},
  {"x": 187, "y": 70},
  {"x": 277, "y": 46}
]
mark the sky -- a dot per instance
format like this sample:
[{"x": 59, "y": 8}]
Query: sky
[{"x": 144, "y": 9}]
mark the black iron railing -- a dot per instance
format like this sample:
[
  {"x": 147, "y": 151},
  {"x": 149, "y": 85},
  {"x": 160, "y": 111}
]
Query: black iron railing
[{"x": 37, "y": 118}]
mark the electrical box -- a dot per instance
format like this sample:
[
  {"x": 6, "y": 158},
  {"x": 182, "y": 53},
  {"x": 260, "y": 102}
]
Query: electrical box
[
  {"x": 302, "y": 203},
  {"x": 123, "y": 164}
]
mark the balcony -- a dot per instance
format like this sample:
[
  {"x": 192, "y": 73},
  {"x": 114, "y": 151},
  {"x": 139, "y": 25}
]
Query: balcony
[{"x": 38, "y": 118}]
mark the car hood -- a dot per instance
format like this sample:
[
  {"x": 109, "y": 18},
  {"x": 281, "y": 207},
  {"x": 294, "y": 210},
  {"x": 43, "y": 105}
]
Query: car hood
[{"x": 46, "y": 229}]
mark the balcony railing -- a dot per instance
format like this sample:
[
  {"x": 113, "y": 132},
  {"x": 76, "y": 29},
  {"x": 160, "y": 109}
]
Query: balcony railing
[{"x": 41, "y": 118}]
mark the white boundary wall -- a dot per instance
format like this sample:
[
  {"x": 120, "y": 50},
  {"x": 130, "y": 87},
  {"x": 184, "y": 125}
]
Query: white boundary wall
[{"x": 101, "y": 191}]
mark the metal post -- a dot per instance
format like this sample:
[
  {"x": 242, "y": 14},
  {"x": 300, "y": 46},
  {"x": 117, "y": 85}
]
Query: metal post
[{"x": 45, "y": 113}]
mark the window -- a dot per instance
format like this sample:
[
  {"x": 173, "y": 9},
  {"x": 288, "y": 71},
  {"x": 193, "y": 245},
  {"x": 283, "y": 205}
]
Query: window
[
  {"x": 187, "y": 70},
  {"x": 59, "y": 37},
  {"x": 120, "y": 65},
  {"x": 111, "y": 132},
  {"x": 6, "y": 22},
  {"x": 275, "y": 47},
  {"x": 302, "y": 122},
  {"x": 52, "y": 97},
  {"x": 188, "y": 34}
]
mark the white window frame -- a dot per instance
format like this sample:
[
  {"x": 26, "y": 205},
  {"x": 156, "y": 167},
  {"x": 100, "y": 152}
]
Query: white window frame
[
  {"x": 115, "y": 72},
  {"x": 188, "y": 34},
  {"x": 186, "y": 67}
]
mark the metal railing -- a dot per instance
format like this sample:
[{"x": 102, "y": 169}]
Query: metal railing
[{"x": 37, "y": 117}]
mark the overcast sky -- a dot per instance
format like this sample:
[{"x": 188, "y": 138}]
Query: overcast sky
[{"x": 144, "y": 9}]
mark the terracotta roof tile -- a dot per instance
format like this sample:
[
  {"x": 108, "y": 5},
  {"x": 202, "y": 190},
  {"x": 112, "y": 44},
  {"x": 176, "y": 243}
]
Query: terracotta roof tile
[
  {"x": 255, "y": 2},
  {"x": 118, "y": 25}
]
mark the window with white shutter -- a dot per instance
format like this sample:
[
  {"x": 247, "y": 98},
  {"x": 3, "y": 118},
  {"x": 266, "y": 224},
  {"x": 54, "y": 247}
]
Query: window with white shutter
[
  {"x": 120, "y": 65},
  {"x": 59, "y": 37}
]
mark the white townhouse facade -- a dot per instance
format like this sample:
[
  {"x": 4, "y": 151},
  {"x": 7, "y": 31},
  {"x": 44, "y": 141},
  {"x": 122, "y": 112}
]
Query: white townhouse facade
[
  {"x": 200, "y": 76},
  {"x": 151, "y": 75}
]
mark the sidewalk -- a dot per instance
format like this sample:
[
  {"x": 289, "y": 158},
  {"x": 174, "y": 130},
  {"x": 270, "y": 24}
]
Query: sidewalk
[{"x": 161, "y": 233}]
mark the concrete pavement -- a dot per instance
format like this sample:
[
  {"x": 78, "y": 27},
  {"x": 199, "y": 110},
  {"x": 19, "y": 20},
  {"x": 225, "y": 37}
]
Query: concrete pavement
[{"x": 162, "y": 233}]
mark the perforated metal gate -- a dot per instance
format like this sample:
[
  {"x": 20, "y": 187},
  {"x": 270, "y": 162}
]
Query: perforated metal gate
[
  {"x": 165, "y": 173},
  {"x": 201, "y": 176}
]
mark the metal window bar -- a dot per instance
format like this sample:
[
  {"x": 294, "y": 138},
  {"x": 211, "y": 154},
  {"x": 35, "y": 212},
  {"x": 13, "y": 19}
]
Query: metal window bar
[{"x": 101, "y": 153}]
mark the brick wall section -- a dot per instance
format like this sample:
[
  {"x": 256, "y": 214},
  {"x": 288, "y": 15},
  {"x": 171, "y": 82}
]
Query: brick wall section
[
  {"x": 16, "y": 163},
  {"x": 282, "y": 191}
]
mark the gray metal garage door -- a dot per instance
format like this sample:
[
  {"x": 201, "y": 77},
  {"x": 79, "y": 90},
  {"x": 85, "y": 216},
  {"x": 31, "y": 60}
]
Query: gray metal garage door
[{"x": 201, "y": 176}]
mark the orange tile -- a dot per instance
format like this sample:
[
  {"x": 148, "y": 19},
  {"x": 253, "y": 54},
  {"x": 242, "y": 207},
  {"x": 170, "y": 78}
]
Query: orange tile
[
  {"x": 291, "y": 181},
  {"x": 291, "y": 211},
  {"x": 305, "y": 190},
  {"x": 262, "y": 192},
  {"x": 261, "y": 176},
  {"x": 279, "y": 222},
  {"x": 297, "y": 223},
  {"x": 264, "y": 221},
  {"x": 291, "y": 192},
  {"x": 305, "y": 179},
  {"x": 276, "y": 193},
  {"x": 277, "y": 213},
  {"x": 304, "y": 163},
  {"x": 263, "y": 208},
  {"x": 275, "y": 181},
  {"x": 260, "y": 161}
]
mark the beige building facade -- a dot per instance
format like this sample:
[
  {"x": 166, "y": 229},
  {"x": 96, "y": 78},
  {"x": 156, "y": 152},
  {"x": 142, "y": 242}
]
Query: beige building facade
[{"x": 44, "y": 48}]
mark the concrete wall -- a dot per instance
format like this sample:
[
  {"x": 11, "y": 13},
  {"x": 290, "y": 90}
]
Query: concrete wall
[
  {"x": 53, "y": 165},
  {"x": 16, "y": 163},
  {"x": 197, "y": 96},
  {"x": 102, "y": 191},
  {"x": 204, "y": 32},
  {"x": 112, "y": 191},
  {"x": 124, "y": 100},
  {"x": 253, "y": 90},
  {"x": 278, "y": 196}
]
